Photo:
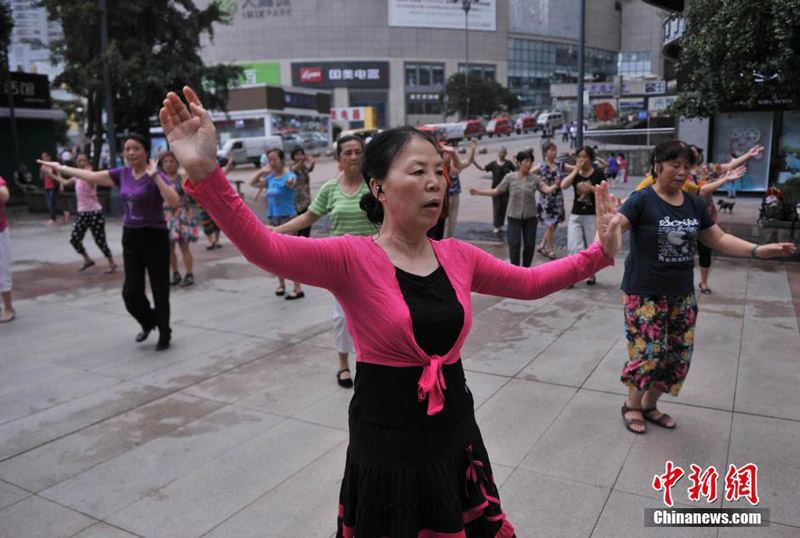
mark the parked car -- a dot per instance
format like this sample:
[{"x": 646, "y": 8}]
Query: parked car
[
  {"x": 553, "y": 119},
  {"x": 315, "y": 140},
  {"x": 452, "y": 133},
  {"x": 525, "y": 123},
  {"x": 473, "y": 129},
  {"x": 291, "y": 141},
  {"x": 249, "y": 149},
  {"x": 499, "y": 127}
]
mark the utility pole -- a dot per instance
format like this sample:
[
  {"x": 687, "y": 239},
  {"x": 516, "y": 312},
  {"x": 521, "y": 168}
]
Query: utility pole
[
  {"x": 581, "y": 69},
  {"x": 466, "y": 5},
  {"x": 116, "y": 204}
]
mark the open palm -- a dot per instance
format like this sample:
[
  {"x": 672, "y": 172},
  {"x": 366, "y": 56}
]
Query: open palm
[
  {"x": 191, "y": 135},
  {"x": 609, "y": 222}
]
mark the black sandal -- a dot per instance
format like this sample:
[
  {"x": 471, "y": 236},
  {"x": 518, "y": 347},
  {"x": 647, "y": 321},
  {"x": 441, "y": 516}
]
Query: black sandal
[
  {"x": 85, "y": 266},
  {"x": 660, "y": 421},
  {"x": 704, "y": 290},
  {"x": 292, "y": 296},
  {"x": 629, "y": 421},
  {"x": 176, "y": 279},
  {"x": 346, "y": 382},
  {"x": 280, "y": 291},
  {"x": 188, "y": 280},
  {"x": 592, "y": 281}
]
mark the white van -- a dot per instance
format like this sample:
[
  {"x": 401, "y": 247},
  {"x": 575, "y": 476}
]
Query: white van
[
  {"x": 249, "y": 149},
  {"x": 553, "y": 119}
]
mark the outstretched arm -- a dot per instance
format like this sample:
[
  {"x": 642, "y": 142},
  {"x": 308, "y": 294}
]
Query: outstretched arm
[
  {"x": 739, "y": 161},
  {"x": 102, "y": 177},
  {"x": 484, "y": 192},
  {"x": 731, "y": 175},
  {"x": 298, "y": 223},
  {"x": 716, "y": 239},
  {"x": 64, "y": 181}
]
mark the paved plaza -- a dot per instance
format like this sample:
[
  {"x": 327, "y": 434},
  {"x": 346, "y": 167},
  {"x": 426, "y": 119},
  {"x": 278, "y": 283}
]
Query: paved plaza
[{"x": 240, "y": 431}]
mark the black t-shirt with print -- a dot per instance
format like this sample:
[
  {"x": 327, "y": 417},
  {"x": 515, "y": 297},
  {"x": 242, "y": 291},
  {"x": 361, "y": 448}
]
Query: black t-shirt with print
[
  {"x": 499, "y": 171},
  {"x": 583, "y": 204},
  {"x": 663, "y": 243}
]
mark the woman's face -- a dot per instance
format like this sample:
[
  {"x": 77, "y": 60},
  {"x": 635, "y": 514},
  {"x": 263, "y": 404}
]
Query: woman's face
[
  {"x": 501, "y": 155},
  {"x": 525, "y": 166},
  {"x": 551, "y": 153},
  {"x": 170, "y": 165},
  {"x": 584, "y": 162},
  {"x": 350, "y": 157},
  {"x": 134, "y": 152},
  {"x": 45, "y": 156},
  {"x": 672, "y": 174},
  {"x": 274, "y": 160},
  {"x": 82, "y": 161},
  {"x": 698, "y": 157},
  {"x": 414, "y": 188}
]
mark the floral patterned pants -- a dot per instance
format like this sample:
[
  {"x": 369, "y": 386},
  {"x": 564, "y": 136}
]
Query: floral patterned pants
[{"x": 660, "y": 332}]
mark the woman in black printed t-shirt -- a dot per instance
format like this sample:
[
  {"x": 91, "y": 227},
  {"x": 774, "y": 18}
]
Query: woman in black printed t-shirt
[{"x": 660, "y": 304}]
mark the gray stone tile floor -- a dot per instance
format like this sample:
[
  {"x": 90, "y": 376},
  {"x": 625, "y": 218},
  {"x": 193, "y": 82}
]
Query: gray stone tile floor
[{"x": 240, "y": 431}]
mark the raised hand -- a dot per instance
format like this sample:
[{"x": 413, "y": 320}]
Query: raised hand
[
  {"x": 775, "y": 250},
  {"x": 754, "y": 151},
  {"x": 152, "y": 167},
  {"x": 191, "y": 135},
  {"x": 733, "y": 175},
  {"x": 609, "y": 222},
  {"x": 473, "y": 191}
]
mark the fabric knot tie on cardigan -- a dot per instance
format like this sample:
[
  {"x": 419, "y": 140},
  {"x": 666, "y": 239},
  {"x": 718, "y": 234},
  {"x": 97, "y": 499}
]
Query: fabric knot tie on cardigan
[{"x": 431, "y": 383}]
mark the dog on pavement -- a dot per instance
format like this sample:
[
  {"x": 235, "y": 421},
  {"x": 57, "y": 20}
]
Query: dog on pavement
[{"x": 723, "y": 205}]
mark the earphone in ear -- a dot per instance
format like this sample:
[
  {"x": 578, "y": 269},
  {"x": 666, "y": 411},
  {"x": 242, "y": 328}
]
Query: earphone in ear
[{"x": 379, "y": 189}]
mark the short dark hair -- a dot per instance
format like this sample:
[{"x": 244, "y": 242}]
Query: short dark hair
[
  {"x": 144, "y": 141},
  {"x": 589, "y": 152},
  {"x": 297, "y": 150},
  {"x": 381, "y": 153},
  {"x": 669, "y": 151},
  {"x": 547, "y": 147},
  {"x": 524, "y": 154},
  {"x": 342, "y": 140},
  {"x": 279, "y": 151}
]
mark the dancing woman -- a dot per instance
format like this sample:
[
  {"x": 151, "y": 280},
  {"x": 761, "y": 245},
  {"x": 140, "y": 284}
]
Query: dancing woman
[
  {"x": 340, "y": 198},
  {"x": 143, "y": 190},
  {"x": 551, "y": 206},
  {"x": 499, "y": 169},
  {"x": 416, "y": 463},
  {"x": 522, "y": 207},
  {"x": 660, "y": 305},
  {"x": 90, "y": 217}
]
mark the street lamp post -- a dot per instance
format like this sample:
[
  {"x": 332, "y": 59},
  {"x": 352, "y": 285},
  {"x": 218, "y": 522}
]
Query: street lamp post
[
  {"x": 581, "y": 69},
  {"x": 466, "y": 5}
]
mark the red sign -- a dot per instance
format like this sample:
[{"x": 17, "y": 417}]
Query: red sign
[{"x": 311, "y": 74}]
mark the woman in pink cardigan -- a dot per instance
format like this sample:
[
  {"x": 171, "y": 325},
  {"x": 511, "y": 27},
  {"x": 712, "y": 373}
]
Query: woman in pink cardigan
[{"x": 416, "y": 464}]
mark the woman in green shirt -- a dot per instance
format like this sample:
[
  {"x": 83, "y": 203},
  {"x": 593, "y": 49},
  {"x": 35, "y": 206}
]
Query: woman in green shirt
[{"x": 340, "y": 197}]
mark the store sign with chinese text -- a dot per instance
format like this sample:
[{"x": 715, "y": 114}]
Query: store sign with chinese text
[
  {"x": 351, "y": 113},
  {"x": 266, "y": 9},
  {"x": 341, "y": 74}
]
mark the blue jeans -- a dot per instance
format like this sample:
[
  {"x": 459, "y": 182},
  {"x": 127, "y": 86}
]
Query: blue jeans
[
  {"x": 521, "y": 232},
  {"x": 51, "y": 201}
]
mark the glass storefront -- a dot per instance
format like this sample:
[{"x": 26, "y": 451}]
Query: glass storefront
[
  {"x": 533, "y": 65},
  {"x": 734, "y": 134},
  {"x": 789, "y": 148}
]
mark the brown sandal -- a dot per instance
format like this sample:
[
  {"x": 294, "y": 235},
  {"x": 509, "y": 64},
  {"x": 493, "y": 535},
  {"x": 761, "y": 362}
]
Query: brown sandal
[
  {"x": 629, "y": 421},
  {"x": 660, "y": 421}
]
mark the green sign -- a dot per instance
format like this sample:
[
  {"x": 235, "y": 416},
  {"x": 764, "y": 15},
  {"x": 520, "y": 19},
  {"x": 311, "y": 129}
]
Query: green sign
[{"x": 261, "y": 73}]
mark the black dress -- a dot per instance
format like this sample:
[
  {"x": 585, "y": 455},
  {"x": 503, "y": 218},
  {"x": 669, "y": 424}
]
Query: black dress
[{"x": 408, "y": 474}]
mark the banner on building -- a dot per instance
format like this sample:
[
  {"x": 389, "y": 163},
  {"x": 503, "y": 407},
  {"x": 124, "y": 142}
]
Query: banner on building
[
  {"x": 444, "y": 14},
  {"x": 355, "y": 113},
  {"x": 340, "y": 74}
]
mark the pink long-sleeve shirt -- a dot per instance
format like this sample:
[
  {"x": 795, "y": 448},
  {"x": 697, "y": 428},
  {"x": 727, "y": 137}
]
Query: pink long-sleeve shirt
[{"x": 361, "y": 276}]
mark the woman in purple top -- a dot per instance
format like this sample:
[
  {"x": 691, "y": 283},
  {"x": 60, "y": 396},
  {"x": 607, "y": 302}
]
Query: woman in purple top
[{"x": 143, "y": 190}]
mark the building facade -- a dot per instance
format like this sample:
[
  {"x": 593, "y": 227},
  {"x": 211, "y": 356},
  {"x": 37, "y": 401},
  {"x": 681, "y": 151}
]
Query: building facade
[
  {"x": 30, "y": 39},
  {"x": 396, "y": 55}
]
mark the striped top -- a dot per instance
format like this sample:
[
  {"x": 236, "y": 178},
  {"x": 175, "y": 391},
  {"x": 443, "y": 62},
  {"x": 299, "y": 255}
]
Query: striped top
[{"x": 346, "y": 216}]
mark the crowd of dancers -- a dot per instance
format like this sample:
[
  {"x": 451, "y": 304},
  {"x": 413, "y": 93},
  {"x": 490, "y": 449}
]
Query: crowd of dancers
[{"x": 416, "y": 462}]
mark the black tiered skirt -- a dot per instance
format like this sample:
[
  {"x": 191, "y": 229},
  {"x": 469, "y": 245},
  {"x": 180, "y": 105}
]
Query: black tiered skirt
[{"x": 429, "y": 481}]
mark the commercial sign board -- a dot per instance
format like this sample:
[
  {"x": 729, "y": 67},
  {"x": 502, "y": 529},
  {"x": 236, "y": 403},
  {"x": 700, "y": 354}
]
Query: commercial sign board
[
  {"x": 341, "y": 74},
  {"x": 655, "y": 87},
  {"x": 29, "y": 90},
  {"x": 280, "y": 99},
  {"x": 444, "y": 14},
  {"x": 261, "y": 73}
]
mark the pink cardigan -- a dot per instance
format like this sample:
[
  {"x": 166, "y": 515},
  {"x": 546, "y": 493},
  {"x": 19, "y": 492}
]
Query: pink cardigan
[{"x": 362, "y": 278}]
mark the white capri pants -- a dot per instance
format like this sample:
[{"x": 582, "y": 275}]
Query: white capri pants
[
  {"x": 344, "y": 344},
  {"x": 5, "y": 260},
  {"x": 580, "y": 232}
]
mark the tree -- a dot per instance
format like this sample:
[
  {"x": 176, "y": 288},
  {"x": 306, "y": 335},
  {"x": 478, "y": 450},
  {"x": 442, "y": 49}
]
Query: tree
[
  {"x": 737, "y": 53},
  {"x": 486, "y": 96},
  {"x": 153, "y": 47}
]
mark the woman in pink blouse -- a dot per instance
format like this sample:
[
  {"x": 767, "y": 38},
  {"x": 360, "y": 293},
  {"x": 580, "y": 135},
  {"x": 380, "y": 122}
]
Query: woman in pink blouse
[{"x": 416, "y": 464}]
